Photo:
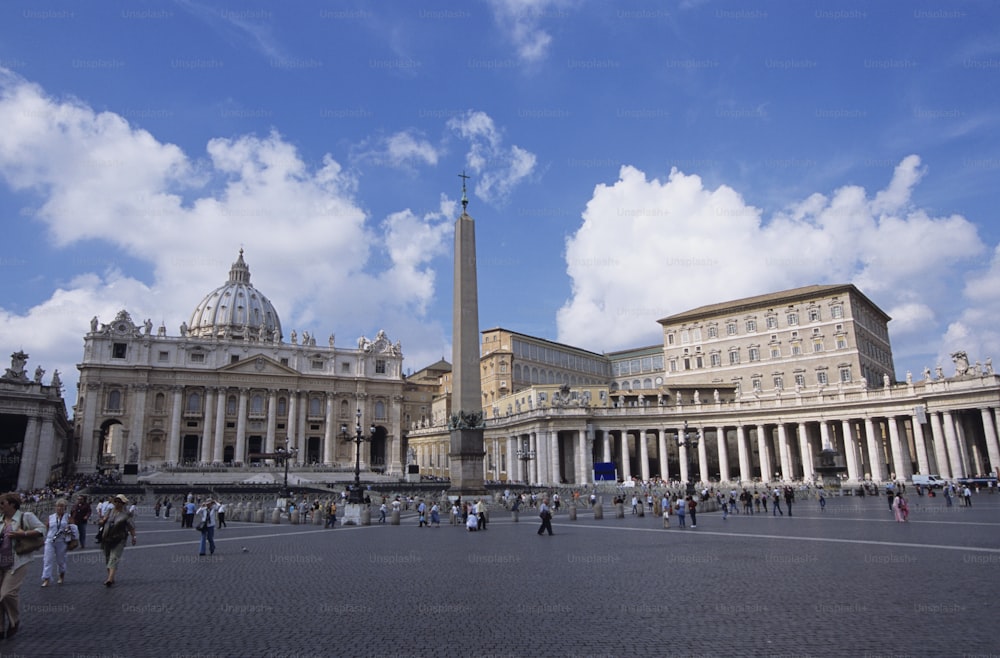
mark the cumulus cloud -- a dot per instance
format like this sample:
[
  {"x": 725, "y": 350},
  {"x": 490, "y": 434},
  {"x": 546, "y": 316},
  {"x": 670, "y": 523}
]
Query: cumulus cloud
[
  {"x": 522, "y": 21},
  {"x": 402, "y": 150},
  {"x": 499, "y": 168},
  {"x": 649, "y": 248},
  {"x": 93, "y": 176}
]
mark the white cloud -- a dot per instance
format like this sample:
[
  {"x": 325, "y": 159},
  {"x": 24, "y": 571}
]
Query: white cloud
[
  {"x": 650, "y": 248},
  {"x": 500, "y": 169},
  {"x": 98, "y": 178},
  {"x": 402, "y": 150},
  {"x": 522, "y": 21}
]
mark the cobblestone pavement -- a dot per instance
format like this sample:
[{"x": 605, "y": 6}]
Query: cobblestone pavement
[{"x": 845, "y": 582}]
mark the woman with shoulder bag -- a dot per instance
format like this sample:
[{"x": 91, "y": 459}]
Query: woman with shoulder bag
[
  {"x": 20, "y": 530},
  {"x": 117, "y": 527},
  {"x": 57, "y": 542}
]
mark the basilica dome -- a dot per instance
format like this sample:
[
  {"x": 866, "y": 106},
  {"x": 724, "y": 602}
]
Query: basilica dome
[{"x": 236, "y": 310}]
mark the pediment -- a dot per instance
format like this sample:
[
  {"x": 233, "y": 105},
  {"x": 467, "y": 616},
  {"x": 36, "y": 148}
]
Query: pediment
[{"x": 257, "y": 365}]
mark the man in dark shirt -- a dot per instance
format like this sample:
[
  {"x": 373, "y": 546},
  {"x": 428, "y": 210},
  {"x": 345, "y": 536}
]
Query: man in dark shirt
[{"x": 81, "y": 514}]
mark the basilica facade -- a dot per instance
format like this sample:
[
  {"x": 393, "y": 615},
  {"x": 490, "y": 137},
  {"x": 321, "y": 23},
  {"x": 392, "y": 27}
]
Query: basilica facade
[{"x": 228, "y": 389}]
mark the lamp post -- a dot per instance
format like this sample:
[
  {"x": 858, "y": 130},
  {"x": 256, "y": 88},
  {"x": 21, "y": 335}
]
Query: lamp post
[
  {"x": 358, "y": 438},
  {"x": 525, "y": 454},
  {"x": 690, "y": 442},
  {"x": 287, "y": 454}
]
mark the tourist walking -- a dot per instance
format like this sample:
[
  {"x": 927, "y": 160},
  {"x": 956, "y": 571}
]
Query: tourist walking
[
  {"x": 60, "y": 531},
  {"x": 692, "y": 507},
  {"x": 208, "y": 520},
  {"x": 899, "y": 508},
  {"x": 947, "y": 495},
  {"x": 114, "y": 532},
  {"x": 383, "y": 508},
  {"x": 436, "y": 516},
  {"x": 17, "y": 525},
  {"x": 545, "y": 514},
  {"x": 81, "y": 514},
  {"x": 422, "y": 511},
  {"x": 189, "y": 509},
  {"x": 822, "y": 502},
  {"x": 681, "y": 511},
  {"x": 789, "y": 498},
  {"x": 776, "y": 504},
  {"x": 221, "y": 513},
  {"x": 481, "y": 513},
  {"x": 967, "y": 495},
  {"x": 666, "y": 510},
  {"x": 331, "y": 515}
]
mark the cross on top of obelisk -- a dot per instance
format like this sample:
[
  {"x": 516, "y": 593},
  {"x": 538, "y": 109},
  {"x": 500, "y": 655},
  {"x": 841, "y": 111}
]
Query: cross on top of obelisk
[{"x": 465, "y": 199}]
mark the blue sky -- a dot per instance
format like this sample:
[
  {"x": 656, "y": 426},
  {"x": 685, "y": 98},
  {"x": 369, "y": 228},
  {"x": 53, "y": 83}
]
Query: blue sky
[{"x": 628, "y": 161}]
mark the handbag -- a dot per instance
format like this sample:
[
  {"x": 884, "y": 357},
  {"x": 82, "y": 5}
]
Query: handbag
[
  {"x": 30, "y": 544},
  {"x": 99, "y": 537}
]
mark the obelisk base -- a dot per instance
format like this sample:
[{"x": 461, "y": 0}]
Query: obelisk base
[{"x": 466, "y": 458}]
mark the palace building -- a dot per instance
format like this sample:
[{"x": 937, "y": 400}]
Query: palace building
[
  {"x": 228, "y": 390},
  {"x": 752, "y": 390}
]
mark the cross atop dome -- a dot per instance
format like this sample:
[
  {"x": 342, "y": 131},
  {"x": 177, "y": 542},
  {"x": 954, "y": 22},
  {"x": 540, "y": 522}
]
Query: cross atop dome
[{"x": 239, "y": 272}]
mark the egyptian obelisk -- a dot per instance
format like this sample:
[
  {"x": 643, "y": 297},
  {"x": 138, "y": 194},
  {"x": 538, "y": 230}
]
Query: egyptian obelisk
[{"x": 466, "y": 422}]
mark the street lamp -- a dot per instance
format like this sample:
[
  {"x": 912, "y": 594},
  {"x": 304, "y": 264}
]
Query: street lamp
[
  {"x": 285, "y": 455},
  {"x": 356, "y": 493},
  {"x": 691, "y": 443},
  {"x": 525, "y": 454}
]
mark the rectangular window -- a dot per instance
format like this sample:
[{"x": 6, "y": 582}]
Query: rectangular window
[
  {"x": 713, "y": 332},
  {"x": 164, "y": 356},
  {"x": 796, "y": 350},
  {"x": 670, "y": 339},
  {"x": 837, "y": 311},
  {"x": 234, "y": 358},
  {"x": 821, "y": 377},
  {"x": 715, "y": 359},
  {"x": 814, "y": 315},
  {"x": 818, "y": 346},
  {"x": 793, "y": 319},
  {"x": 734, "y": 357},
  {"x": 118, "y": 350},
  {"x": 673, "y": 365},
  {"x": 841, "y": 342},
  {"x": 380, "y": 366},
  {"x": 731, "y": 329},
  {"x": 317, "y": 364},
  {"x": 699, "y": 362},
  {"x": 697, "y": 335},
  {"x": 345, "y": 366},
  {"x": 751, "y": 326},
  {"x": 755, "y": 354},
  {"x": 775, "y": 353},
  {"x": 197, "y": 357},
  {"x": 772, "y": 322},
  {"x": 845, "y": 375},
  {"x": 756, "y": 383},
  {"x": 800, "y": 380},
  {"x": 779, "y": 383}
]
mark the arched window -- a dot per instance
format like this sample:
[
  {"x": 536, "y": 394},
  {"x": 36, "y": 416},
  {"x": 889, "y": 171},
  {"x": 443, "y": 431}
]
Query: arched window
[
  {"x": 282, "y": 406},
  {"x": 314, "y": 407},
  {"x": 257, "y": 404},
  {"x": 114, "y": 400},
  {"x": 231, "y": 406},
  {"x": 380, "y": 410},
  {"x": 194, "y": 402},
  {"x": 159, "y": 403},
  {"x": 345, "y": 410}
]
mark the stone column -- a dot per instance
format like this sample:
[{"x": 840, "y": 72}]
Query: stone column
[
  {"x": 626, "y": 459},
  {"x": 940, "y": 449},
  {"x": 241, "y": 426},
  {"x": 783, "y": 454},
  {"x": 606, "y": 445},
  {"x": 900, "y": 451},
  {"x": 923, "y": 465},
  {"x": 746, "y": 475},
  {"x": 272, "y": 422},
  {"x": 992, "y": 445},
  {"x": 29, "y": 454},
  {"x": 662, "y": 449},
  {"x": 45, "y": 451},
  {"x": 554, "y": 460},
  {"x": 329, "y": 433},
  {"x": 174, "y": 438},
  {"x": 702, "y": 455},
  {"x": 300, "y": 440},
  {"x": 395, "y": 447},
  {"x": 533, "y": 465},
  {"x": 643, "y": 455},
  {"x": 951, "y": 441},
  {"x": 876, "y": 460},
  {"x": 207, "y": 426},
  {"x": 807, "y": 455},
  {"x": 723, "y": 448},
  {"x": 88, "y": 450},
  {"x": 138, "y": 411},
  {"x": 765, "y": 461},
  {"x": 850, "y": 451},
  {"x": 586, "y": 457},
  {"x": 220, "y": 424},
  {"x": 293, "y": 415},
  {"x": 682, "y": 456}
]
